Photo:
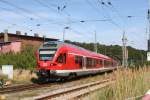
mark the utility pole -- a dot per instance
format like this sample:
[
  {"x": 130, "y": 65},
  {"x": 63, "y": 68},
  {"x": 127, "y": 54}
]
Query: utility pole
[
  {"x": 64, "y": 32},
  {"x": 6, "y": 35},
  {"x": 148, "y": 44},
  {"x": 148, "y": 17},
  {"x": 95, "y": 42},
  {"x": 44, "y": 36},
  {"x": 124, "y": 51}
]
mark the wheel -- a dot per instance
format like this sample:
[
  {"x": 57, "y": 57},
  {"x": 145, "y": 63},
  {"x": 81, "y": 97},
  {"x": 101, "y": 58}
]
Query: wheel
[{"x": 72, "y": 76}]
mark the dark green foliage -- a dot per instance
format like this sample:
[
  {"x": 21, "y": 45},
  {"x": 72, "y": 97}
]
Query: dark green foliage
[
  {"x": 25, "y": 60},
  {"x": 135, "y": 56}
]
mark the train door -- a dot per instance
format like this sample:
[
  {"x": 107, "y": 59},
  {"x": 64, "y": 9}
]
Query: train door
[
  {"x": 103, "y": 64},
  {"x": 81, "y": 62},
  {"x": 84, "y": 62}
]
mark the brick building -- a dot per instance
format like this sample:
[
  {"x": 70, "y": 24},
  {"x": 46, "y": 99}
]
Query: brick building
[
  {"x": 6, "y": 47},
  {"x": 15, "y": 42}
]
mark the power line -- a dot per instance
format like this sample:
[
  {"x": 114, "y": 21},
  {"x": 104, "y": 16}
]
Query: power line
[
  {"x": 105, "y": 16},
  {"x": 30, "y": 12},
  {"x": 16, "y": 12},
  {"x": 91, "y": 20},
  {"x": 19, "y": 8},
  {"x": 110, "y": 5},
  {"x": 44, "y": 5},
  {"x": 97, "y": 10},
  {"x": 51, "y": 8},
  {"x": 26, "y": 10},
  {"x": 59, "y": 11},
  {"x": 102, "y": 3}
]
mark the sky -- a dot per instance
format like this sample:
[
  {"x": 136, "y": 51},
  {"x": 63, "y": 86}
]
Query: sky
[{"x": 107, "y": 18}]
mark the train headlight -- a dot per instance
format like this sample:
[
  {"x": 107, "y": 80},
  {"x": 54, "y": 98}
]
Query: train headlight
[{"x": 45, "y": 64}]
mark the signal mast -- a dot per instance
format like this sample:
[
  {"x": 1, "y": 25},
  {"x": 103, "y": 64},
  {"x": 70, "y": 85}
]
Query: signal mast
[{"x": 148, "y": 18}]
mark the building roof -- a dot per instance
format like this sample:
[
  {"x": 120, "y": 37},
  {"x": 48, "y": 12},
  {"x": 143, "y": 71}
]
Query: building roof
[{"x": 28, "y": 37}]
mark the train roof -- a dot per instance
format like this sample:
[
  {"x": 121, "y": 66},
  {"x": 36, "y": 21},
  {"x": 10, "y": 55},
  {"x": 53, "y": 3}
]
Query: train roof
[{"x": 60, "y": 44}]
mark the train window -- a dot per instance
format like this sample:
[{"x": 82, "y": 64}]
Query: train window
[
  {"x": 107, "y": 63},
  {"x": 93, "y": 62},
  {"x": 97, "y": 61},
  {"x": 87, "y": 62},
  {"x": 101, "y": 62},
  {"x": 90, "y": 62},
  {"x": 80, "y": 61},
  {"x": 76, "y": 59},
  {"x": 49, "y": 45},
  {"x": 60, "y": 59},
  {"x": 47, "y": 54},
  {"x": 64, "y": 58}
]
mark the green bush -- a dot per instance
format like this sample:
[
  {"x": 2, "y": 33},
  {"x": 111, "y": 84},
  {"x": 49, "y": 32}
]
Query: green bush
[{"x": 23, "y": 60}]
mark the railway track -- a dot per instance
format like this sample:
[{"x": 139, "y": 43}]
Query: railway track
[
  {"x": 75, "y": 91},
  {"x": 21, "y": 88},
  {"x": 18, "y": 88}
]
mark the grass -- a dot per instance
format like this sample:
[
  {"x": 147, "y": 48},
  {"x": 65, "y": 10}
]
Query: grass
[{"x": 129, "y": 83}]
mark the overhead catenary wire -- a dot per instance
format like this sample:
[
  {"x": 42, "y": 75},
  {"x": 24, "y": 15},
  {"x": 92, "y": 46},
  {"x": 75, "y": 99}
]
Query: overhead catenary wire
[
  {"x": 28, "y": 11},
  {"x": 19, "y": 8},
  {"x": 11, "y": 25},
  {"x": 102, "y": 4},
  {"x": 58, "y": 10},
  {"x": 16, "y": 12},
  {"x": 23, "y": 10},
  {"x": 105, "y": 15},
  {"x": 45, "y": 5},
  {"x": 110, "y": 5},
  {"x": 94, "y": 8},
  {"x": 54, "y": 8},
  {"x": 89, "y": 20},
  {"x": 80, "y": 21}
]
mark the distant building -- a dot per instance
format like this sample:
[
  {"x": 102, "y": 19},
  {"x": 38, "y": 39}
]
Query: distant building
[{"x": 15, "y": 42}]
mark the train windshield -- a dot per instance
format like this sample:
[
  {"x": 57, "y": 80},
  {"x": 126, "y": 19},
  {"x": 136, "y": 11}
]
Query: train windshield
[{"x": 47, "y": 54}]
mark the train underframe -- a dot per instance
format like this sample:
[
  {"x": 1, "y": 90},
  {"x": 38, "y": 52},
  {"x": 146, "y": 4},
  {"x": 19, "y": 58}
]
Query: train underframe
[{"x": 60, "y": 75}]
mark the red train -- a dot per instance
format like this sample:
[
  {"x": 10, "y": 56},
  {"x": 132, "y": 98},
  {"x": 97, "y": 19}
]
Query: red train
[{"x": 59, "y": 59}]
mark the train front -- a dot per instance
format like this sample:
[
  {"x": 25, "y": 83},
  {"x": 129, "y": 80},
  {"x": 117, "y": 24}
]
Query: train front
[{"x": 46, "y": 65}]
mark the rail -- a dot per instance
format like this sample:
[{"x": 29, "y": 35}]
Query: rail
[
  {"x": 74, "y": 92},
  {"x": 21, "y": 88}
]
